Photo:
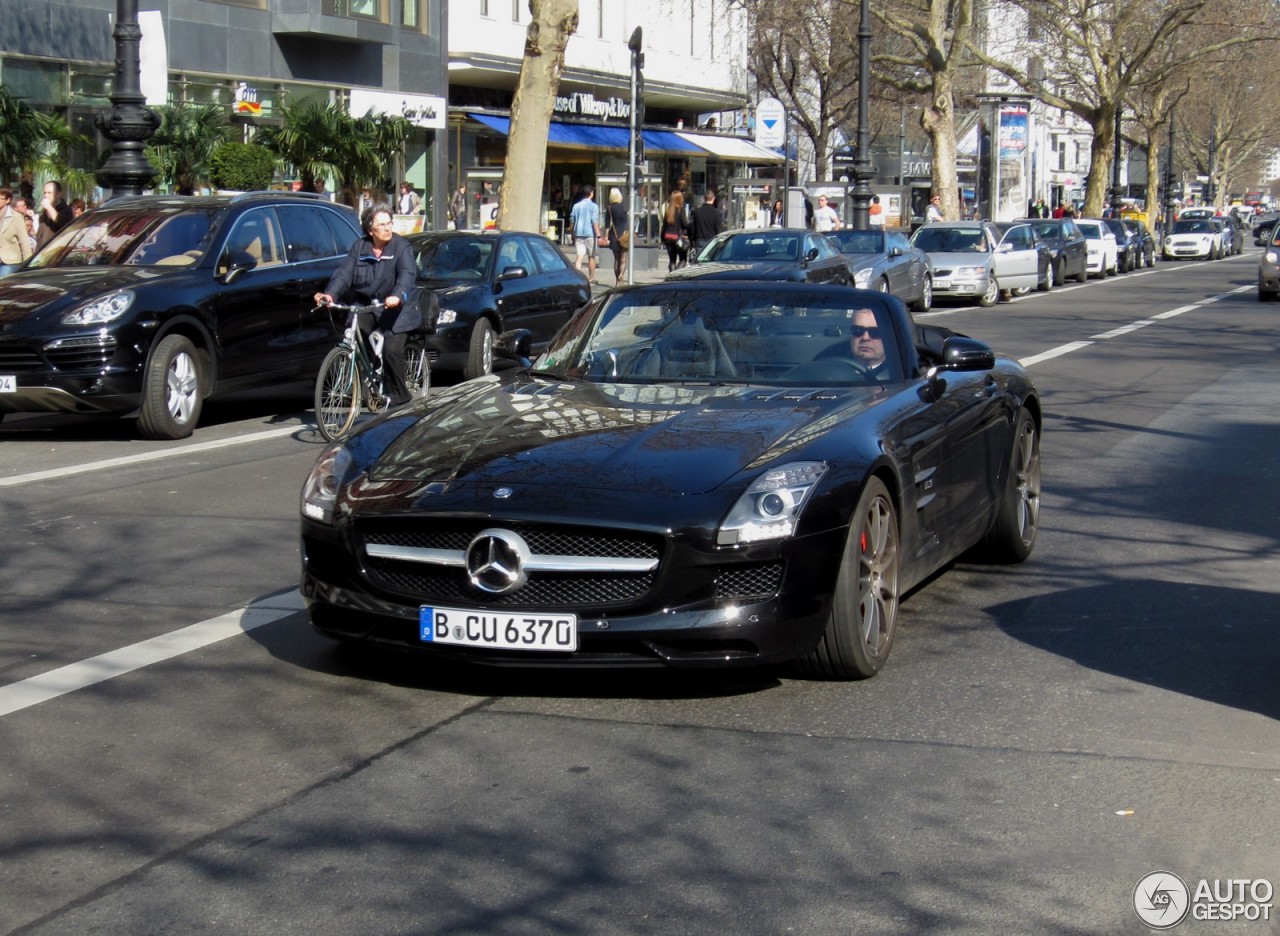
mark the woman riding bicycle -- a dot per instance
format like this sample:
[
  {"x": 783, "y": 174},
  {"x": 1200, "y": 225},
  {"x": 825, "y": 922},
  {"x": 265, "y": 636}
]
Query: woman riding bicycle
[{"x": 380, "y": 267}]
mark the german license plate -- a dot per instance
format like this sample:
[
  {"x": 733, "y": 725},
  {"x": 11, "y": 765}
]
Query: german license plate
[
  {"x": 8, "y": 383},
  {"x": 942, "y": 284},
  {"x": 499, "y": 631}
]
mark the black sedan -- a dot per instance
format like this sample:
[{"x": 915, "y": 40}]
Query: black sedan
[
  {"x": 149, "y": 305},
  {"x": 793, "y": 255},
  {"x": 489, "y": 284},
  {"x": 696, "y": 475},
  {"x": 1070, "y": 252},
  {"x": 885, "y": 260}
]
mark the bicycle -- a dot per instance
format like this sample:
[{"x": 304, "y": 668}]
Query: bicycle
[{"x": 352, "y": 373}]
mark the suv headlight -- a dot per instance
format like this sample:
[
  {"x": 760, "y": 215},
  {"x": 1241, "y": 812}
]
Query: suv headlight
[
  {"x": 100, "y": 311},
  {"x": 860, "y": 277},
  {"x": 770, "y": 507},
  {"x": 320, "y": 492}
]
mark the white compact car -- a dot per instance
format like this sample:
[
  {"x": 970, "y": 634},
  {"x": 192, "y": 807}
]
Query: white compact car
[
  {"x": 1103, "y": 251},
  {"x": 1193, "y": 238}
]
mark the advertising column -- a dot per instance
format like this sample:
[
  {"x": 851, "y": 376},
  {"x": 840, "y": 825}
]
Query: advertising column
[{"x": 1012, "y": 191}]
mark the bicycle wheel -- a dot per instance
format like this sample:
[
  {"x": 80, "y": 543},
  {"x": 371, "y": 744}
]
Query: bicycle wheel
[
  {"x": 417, "y": 368},
  {"x": 337, "y": 394}
]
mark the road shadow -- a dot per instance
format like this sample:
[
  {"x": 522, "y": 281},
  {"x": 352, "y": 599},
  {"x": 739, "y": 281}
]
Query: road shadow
[{"x": 1218, "y": 644}]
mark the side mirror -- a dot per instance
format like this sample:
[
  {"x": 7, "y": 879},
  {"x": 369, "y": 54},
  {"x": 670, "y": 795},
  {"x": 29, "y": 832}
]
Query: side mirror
[
  {"x": 966, "y": 354},
  {"x": 811, "y": 255},
  {"x": 513, "y": 272},
  {"x": 895, "y": 251}
]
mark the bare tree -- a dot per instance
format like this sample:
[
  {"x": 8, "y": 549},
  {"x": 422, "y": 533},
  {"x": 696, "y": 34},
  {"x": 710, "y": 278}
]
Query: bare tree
[
  {"x": 1097, "y": 52},
  {"x": 927, "y": 52},
  {"x": 805, "y": 54},
  {"x": 552, "y": 23}
]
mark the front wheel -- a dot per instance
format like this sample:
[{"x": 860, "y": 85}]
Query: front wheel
[
  {"x": 1048, "y": 282},
  {"x": 173, "y": 393},
  {"x": 992, "y": 295},
  {"x": 337, "y": 397},
  {"x": 864, "y": 608},
  {"x": 480, "y": 353},
  {"x": 417, "y": 368}
]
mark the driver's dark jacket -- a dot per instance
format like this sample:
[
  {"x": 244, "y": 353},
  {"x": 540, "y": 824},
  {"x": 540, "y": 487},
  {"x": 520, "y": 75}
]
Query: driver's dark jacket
[{"x": 363, "y": 277}]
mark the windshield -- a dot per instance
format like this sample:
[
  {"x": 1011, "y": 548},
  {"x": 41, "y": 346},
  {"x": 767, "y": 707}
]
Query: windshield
[
  {"x": 754, "y": 247},
  {"x": 128, "y": 236},
  {"x": 1090, "y": 230},
  {"x": 454, "y": 259},
  {"x": 951, "y": 240},
  {"x": 757, "y": 335},
  {"x": 1193, "y": 226},
  {"x": 859, "y": 242}
]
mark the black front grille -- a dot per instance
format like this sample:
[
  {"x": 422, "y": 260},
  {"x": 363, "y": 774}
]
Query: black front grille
[
  {"x": 19, "y": 359},
  {"x": 425, "y": 583},
  {"x": 90, "y": 354},
  {"x": 749, "y": 582}
]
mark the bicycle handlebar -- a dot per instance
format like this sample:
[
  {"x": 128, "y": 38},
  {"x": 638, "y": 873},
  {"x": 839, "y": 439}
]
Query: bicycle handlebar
[{"x": 351, "y": 306}]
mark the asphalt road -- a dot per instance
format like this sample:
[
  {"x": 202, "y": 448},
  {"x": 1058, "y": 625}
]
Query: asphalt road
[{"x": 1042, "y": 738}]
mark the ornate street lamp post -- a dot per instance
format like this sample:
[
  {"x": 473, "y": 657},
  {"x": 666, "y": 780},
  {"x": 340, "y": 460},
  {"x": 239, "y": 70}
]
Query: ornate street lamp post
[
  {"x": 863, "y": 170},
  {"x": 131, "y": 122}
]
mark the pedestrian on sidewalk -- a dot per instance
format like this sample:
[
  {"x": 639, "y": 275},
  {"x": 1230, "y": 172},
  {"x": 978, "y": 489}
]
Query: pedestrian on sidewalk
[
  {"x": 619, "y": 235},
  {"x": 585, "y": 219},
  {"x": 707, "y": 223}
]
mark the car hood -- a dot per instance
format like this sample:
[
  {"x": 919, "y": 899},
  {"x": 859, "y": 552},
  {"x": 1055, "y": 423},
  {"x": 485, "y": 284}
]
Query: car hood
[
  {"x": 48, "y": 292},
  {"x": 454, "y": 295},
  {"x": 761, "y": 270},
  {"x": 859, "y": 262},
  {"x": 667, "y": 440}
]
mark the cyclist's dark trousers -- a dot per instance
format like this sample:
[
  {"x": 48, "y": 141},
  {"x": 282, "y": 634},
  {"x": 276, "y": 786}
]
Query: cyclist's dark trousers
[{"x": 392, "y": 355}]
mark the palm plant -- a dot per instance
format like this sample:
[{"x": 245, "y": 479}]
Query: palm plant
[
  {"x": 34, "y": 142},
  {"x": 180, "y": 148},
  {"x": 321, "y": 139},
  {"x": 389, "y": 133}
]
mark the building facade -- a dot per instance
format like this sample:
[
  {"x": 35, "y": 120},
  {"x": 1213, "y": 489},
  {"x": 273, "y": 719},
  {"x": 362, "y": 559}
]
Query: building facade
[
  {"x": 697, "y": 118},
  {"x": 249, "y": 55}
]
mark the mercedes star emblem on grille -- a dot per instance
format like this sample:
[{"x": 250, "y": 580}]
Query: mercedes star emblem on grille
[{"x": 496, "y": 561}]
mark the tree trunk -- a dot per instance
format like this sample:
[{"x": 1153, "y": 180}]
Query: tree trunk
[
  {"x": 1102, "y": 154},
  {"x": 938, "y": 120},
  {"x": 554, "y": 21}
]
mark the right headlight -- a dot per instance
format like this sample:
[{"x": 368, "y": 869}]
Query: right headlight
[{"x": 100, "y": 311}]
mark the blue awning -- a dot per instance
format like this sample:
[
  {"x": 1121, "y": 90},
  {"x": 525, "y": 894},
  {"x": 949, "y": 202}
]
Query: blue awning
[
  {"x": 664, "y": 141},
  {"x": 595, "y": 136},
  {"x": 559, "y": 133}
]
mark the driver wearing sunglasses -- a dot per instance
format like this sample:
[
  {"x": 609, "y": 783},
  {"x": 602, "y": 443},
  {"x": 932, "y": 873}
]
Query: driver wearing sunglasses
[{"x": 866, "y": 343}]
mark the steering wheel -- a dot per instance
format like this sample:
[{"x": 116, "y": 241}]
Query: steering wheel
[{"x": 829, "y": 369}]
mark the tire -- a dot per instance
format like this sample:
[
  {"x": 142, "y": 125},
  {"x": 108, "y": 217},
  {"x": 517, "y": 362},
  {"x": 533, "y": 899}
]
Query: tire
[
  {"x": 925, "y": 302},
  {"x": 337, "y": 396},
  {"x": 1059, "y": 271},
  {"x": 417, "y": 368},
  {"x": 1083, "y": 275},
  {"x": 882, "y": 285},
  {"x": 992, "y": 295},
  {"x": 1048, "y": 283},
  {"x": 480, "y": 355},
  {"x": 864, "y": 607},
  {"x": 173, "y": 391},
  {"x": 1013, "y": 533}
]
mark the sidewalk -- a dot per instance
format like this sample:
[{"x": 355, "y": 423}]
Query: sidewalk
[{"x": 650, "y": 266}]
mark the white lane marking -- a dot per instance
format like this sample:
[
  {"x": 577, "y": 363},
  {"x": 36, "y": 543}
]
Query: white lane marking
[
  {"x": 1054, "y": 352},
  {"x": 147, "y": 456},
  {"x": 20, "y": 695},
  {"x": 1126, "y": 329}
]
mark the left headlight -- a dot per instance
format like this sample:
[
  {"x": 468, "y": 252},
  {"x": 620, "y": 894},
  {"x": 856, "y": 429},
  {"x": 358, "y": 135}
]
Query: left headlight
[
  {"x": 100, "y": 311},
  {"x": 860, "y": 277},
  {"x": 770, "y": 507},
  {"x": 447, "y": 316},
  {"x": 320, "y": 492}
]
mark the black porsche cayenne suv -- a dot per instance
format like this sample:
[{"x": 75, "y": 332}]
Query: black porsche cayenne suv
[{"x": 149, "y": 305}]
